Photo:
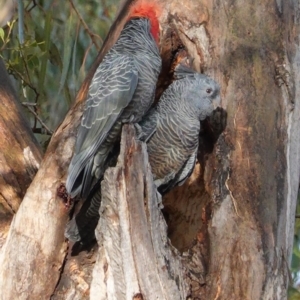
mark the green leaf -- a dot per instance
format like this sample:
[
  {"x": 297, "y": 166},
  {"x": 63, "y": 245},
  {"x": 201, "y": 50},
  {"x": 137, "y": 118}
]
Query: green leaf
[
  {"x": 2, "y": 34},
  {"x": 44, "y": 60},
  {"x": 32, "y": 61},
  {"x": 68, "y": 46},
  {"x": 293, "y": 294}
]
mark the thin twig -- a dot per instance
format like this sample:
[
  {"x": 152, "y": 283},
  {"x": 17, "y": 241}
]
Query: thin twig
[
  {"x": 90, "y": 33},
  {"x": 48, "y": 131},
  {"x": 17, "y": 74},
  {"x": 41, "y": 131},
  {"x": 32, "y": 7},
  {"x": 24, "y": 61},
  {"x": 28, "y": 104},
  {"x": 32, "y": 87},
  {"x": 86, "y": 53},
  {"x": 29, "y": 79},
  {"x": 105, "y": 9},
  {"x": 8, "y": 35}
]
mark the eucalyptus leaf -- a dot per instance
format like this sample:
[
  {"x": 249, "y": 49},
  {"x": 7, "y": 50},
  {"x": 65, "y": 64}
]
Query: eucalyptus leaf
[
  {"x": 69, "y": 39},
  {"x": 2, "y": 34}
]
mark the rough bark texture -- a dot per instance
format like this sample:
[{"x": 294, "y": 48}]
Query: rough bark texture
[
  {"x": 250, "y": 182},
  {"x": 33, "y": 268},
  {"x": 232, "y": 221},
  {"x": 135, "y": 256},
  {"x": 254, "y": 187},
  {"x": 34, "y": 251},
  {"x": 20, "y": 154}
]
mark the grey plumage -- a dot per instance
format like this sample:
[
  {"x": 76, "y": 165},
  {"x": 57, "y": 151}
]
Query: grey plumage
[
  {"x": 173, "y": 144},
  {"x": 171, "y": 131},
  {"x": 122, "y": 90},
  {"x": 82, "y": 226}
]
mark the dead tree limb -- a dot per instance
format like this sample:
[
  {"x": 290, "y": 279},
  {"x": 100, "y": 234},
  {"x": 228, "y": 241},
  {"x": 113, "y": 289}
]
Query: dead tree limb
[
  {"x": 135, "y": 256},
  {"x": 20, "y": 153}
]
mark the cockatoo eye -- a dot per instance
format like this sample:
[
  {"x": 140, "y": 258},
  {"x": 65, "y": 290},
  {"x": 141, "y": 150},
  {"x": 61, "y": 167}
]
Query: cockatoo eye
[{"x": 208, "y": 91}]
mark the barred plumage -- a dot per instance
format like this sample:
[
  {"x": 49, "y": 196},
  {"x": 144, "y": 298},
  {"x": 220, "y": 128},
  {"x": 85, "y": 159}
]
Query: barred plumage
[
  {"x": 122, "y": 90},
  {"x": 171, "y": 131},
  {"x": 173, "y": 144}
]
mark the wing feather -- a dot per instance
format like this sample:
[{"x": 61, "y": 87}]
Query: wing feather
[
  {"x": 111, "y": 90},
  {"x": 148, "y": 125}
]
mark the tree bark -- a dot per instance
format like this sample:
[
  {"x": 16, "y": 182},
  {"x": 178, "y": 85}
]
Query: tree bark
[
  {"x": 134, "y": 256},
  {"x": 6, "y": 11},
  {"x": 251, "y": 178},
  {"x": 232, "y": 221},
  {"x": 33, "y": 268},
  {"x": 20, "y": 153}
]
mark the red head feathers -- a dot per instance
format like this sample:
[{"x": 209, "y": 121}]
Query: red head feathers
[{"x": 147, "y": 9}]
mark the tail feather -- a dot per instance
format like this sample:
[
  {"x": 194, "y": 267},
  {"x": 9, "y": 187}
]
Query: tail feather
[
  {"x": 72, "y": 232},
  {"x": 87, "y": 179},
  {"x": 82, "y": 226}
]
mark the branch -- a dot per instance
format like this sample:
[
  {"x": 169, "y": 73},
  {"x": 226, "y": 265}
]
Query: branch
[
  {"x": 90, "y": 33},
  {"x": 29, "y": 107},
  {"x": 132, "y": 233}
]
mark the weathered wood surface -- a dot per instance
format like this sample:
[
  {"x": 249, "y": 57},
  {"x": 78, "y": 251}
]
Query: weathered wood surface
[
  {"x": 252, "y": 176},
  {"x": 234, "y": 218},
  {"x": 32, "y": 257},
  {"x": 255, "y": 184},
  {"x": 135, "y": 256},
  {"x": 20, "y": 153},
  {"x": 32, "y": 268}
]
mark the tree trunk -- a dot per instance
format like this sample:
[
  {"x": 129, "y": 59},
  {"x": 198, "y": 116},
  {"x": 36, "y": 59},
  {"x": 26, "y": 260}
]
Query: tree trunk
[
  {"x": 134, "y": 256},
  {"x": 6, "y": 11},
  {"x": 251, "y": 178},
  {"x": 20, "y": 154},
  {"x": 256, "y": 178},
  {"x": 232, "y": 221}
]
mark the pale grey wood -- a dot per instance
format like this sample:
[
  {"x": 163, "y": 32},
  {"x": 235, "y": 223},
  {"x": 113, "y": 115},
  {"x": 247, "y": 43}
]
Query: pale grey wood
[
  {"x": 32, "y": 256},
  {"x": 135, "y": 255}
]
